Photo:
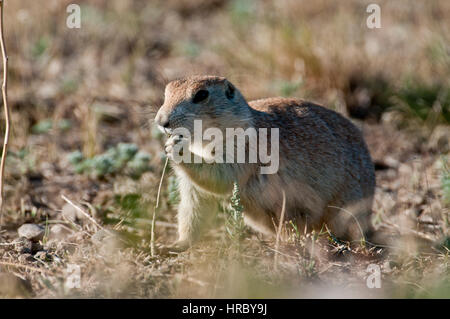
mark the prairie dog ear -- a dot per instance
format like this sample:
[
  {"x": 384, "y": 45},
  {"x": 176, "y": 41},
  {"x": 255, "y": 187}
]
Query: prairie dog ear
[{"x": 229, "y": 90}]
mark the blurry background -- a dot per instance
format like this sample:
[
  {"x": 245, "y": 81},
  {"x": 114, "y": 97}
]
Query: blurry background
[{"x": 83, "y": 99}]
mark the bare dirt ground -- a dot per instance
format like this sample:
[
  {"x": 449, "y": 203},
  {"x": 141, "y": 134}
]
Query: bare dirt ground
[{"x": 96, "y": 89}]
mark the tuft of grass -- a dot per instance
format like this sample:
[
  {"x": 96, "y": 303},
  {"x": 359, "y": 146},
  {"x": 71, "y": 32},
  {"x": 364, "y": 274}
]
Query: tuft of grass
[
  {"x": 131, "y": 203},
  {"x": 22, "y": 162},
  {"x": 430, "y": 104}
]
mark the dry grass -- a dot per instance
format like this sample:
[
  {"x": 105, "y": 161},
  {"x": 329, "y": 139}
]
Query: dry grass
[{"x": 92, "y": 88}]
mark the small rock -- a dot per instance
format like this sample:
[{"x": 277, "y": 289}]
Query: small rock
[
  {"x": 12, "y": 286},
  {"x": 69, "y": 212},
  {"x": 59, "y": 232},
  {"x": 26, "y": 258},
  {"x": 391, "y": 162},
  {"x": 31, "y": 232},
  {"x": 424, "y": 218}
]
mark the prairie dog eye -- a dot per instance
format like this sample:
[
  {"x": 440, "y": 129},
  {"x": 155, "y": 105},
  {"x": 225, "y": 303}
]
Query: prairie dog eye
[{"x": 200, "y": 96}]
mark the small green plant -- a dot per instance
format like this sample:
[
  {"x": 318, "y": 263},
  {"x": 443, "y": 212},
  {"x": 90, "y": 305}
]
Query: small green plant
[
  {"x": 425, "y": 102},
  {"x": 128, "y": 214},
  {"x": 47, "y": 125},
  {"x": 307, "y": 268},
  {"x": 42, "y": 127},
  {"x": 23, "y": 161},
  {"x": 40, "y": 47},
  {"x": 131, "y": 203},
  {"x": 235, "y": 222},
  {"x": 124, "y": 159},
  {"x": 295, "y": 233}
]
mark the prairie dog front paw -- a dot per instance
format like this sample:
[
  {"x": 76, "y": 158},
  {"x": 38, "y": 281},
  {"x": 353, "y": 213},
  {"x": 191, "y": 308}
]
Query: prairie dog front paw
[{"x": 175, "y": 147}]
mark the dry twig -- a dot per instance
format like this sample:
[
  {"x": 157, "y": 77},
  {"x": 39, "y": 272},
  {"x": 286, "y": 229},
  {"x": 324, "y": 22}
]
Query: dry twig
[
  {"x": 6, "y": 108},
  {"x": 84, "y": 213},
  {"x": 5, "y": 263}
]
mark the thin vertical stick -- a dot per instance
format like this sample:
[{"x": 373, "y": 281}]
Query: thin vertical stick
[
  {"x": 152, "y": 238},
  {"x": 280, "y": 226},
  {"x": 5, "y": 105}
]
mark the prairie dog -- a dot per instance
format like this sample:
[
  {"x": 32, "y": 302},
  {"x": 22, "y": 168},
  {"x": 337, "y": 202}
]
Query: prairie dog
[{"x": 325, "y": 169}]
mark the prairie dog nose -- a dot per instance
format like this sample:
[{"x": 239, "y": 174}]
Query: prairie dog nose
[{"x": 162, "y": 120}]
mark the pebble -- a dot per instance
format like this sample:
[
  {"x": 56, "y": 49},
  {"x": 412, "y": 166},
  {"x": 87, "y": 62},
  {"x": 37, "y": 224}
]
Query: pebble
[
  {"x": 31, "y": 232},
  {"x": 69, "y": 213},
  {"x": 424, "y": 218},
  {"x": 391, "y": 162},
  {"x": 59, "y": 232}
]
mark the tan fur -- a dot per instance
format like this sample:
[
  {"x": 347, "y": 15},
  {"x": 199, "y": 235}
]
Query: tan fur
[{"x": 325, "y": 168}]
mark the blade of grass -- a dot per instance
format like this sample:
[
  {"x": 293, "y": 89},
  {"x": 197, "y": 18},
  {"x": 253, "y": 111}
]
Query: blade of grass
[
  {"x": 280, "y": 226},
  {"x": 152, "y": 238}
]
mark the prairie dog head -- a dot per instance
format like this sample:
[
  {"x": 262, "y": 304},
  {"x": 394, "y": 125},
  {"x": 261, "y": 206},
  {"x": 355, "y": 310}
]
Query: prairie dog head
[{"x": 212, "y": 99}]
